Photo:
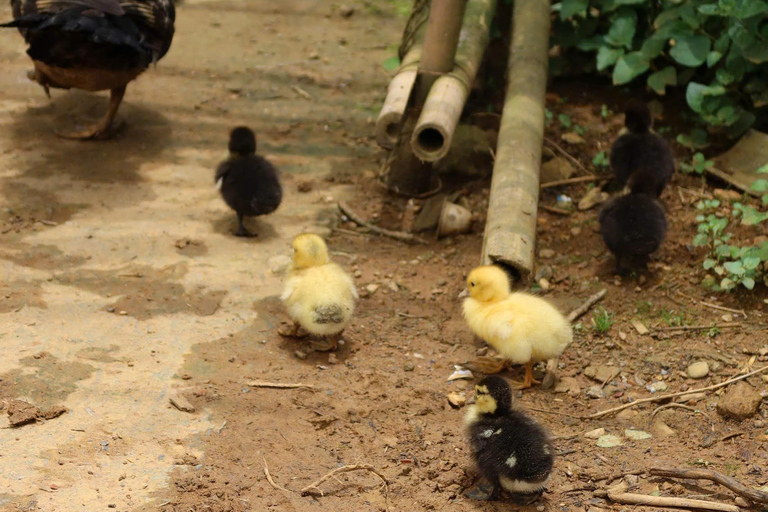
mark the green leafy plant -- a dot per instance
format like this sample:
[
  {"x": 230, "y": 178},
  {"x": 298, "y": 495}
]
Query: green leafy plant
[
  {"x": 565, "y": 120},
  {"x": 605, "y": 112},
  {"x": 602, "y": 320},
  {"x": 729, "y": 265},
  {"x": 601, "y": 159},
  {"x": 698, "y": 164},
  {"x": 674, "y": 318},
  {"x": 715, "y": 49}
]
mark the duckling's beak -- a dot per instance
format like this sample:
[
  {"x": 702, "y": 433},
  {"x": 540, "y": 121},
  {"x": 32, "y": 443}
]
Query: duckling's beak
[{"x": 464, "y": 294}]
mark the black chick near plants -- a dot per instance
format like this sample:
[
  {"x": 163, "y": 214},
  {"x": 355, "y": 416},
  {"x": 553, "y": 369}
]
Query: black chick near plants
[
  {"x": 641, "y": 160},
  {"x": 248, "y": 183},
  {"x": 632, "y": 226},
  {"x": 511, "y": 449}
]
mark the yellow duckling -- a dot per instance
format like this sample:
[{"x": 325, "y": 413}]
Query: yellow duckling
[
  {"x": 319, "y": 295},
  {"x": 522, "y": 328}
]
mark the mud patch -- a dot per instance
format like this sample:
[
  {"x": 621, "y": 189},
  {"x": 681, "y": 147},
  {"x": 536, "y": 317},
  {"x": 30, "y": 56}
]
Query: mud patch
[
  {"x": 49, "y": 383},
  {"x": 28, "y": 208},
  {"x": 191, "y": 248},
  {"x": 145, "y": 292},
  {"x": 15, "y": 295},
  {"x": 43, "y": 257},
  {"x": 99, "y": 354}
]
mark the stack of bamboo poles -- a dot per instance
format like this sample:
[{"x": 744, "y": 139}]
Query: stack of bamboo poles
[{"x": 511, "y": 221}]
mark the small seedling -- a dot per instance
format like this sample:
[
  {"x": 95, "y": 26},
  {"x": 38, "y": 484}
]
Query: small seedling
[
  {"x": 601, "y": 159},
  {"x": 565, "y": 120},
  {"x": 602, "y": 320},
  {"x": 672, "y": 318},
  {"x": 605, "y": 112},
  {"x": 548, "y": 116},
  {"x": 698, "y": 164}
]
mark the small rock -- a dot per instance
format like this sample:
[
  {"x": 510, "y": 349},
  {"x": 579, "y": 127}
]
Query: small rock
[
  {"x": 595, "y": 434},
  {"x": 332, "y": 359},
  {"x": 278, "y": 264},
  {"x": 727, "y": 317},
  {"x": 693, "y": 397},
  {"x": 544, "y": 272},
  {"x": 300, "y": 354},
  {"x": 568, "y": 385},
  {"x": 408, "y": 366},
  {"x": 181, "y": 403},
  {"x": 595, "y": 392},
  {"x": 546, "y": 254},
  {"x": 741, "y": 502},
  {"x": 544, "y": 284},
  {"x": 346, "y": 11},
  {"x": 658, "y": 386},
  {"x": 636, "y": 435},
  {"x": 602, "y": 373},
  {"x": 456, "y": 400},
  {"x": 371, "y": 288},
  {"x": 573, "y": 138},
  {"x": 739, "y": 402},
  {"x": 661, "y": 429},
  {"x": 698, "y": 370},
  {"x": 609, "y": 441},
  {"x": 639, "y": 327}
]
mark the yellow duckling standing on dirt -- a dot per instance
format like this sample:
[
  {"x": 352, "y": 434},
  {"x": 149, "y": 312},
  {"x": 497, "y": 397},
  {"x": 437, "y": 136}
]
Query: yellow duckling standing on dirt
[
  {"x": 522, "y": 328},
  {"x": 319, "y": 295}
]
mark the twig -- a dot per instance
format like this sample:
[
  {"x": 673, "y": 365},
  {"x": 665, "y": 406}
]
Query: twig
[
  {"x": 552, "y": 209},
  {"x": 576, "y": 313},
  {"x": 719, "y": 478},
  {"x": 610, "y": 477},
  {"x": 406, "y": 315},
  {"x": 580, "y": 179},
  {"x": 556, "y": 412},
  {"x": 663, "y": 501},
  {"x": 397, "y": 235},
  {"x": 351, "y": 232},
  {"x": 723, "y": 308},
  {"x": 697, "y": 327},
  {"x": 681, "y": 406},
  {"x": 673, "y": 395},
  {"x": 566, "y": 155},
  {"x": 278, "y": 385},
  {"x": 48, "y": 222},
  {"x": 269, "y": 478},
  {"x": 301, "y": 92},
  {"x": 729, "y": 436},
  {"x": 312, "y": 488}
]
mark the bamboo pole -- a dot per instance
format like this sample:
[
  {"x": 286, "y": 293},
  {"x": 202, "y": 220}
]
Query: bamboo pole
[
  {"x": 407, "y": 174},
  {"x": 510, "y": 230},
  {"x": 434, "y": 130},
  {"x": 398, "y": 92}
]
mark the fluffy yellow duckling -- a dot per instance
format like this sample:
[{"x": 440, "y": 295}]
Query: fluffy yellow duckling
[
  {"x": 319, "y": 295},
  {"x": 522, "y": 328}
]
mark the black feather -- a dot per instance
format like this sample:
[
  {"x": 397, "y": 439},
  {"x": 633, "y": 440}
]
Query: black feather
[
  {"x": 633, "y": 227},
  {"x": 640, "y": 159},
  {"x": 250, "y": 184},
  {"x": 508, "y": 444}
]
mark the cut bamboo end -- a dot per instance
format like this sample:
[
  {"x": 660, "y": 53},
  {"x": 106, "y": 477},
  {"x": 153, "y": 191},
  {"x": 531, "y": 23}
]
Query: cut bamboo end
[
  {"x": 434, "y": 130},
  {"x": 391, "y": 115}
]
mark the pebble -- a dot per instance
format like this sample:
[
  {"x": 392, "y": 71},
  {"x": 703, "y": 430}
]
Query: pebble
[
  {"x": 576, "y": 231},
  {"x": 739, "y": 402},
  {"x": 371, "y": 288},
  {"x": 180, "y": 403},
  {"x": 546, "y": 254},
  {"x": 609, "y": 441},
  {"x": 636, "y": 435},
  {"x": 698, "y": 370},
  {"x": 658, "y": 386},
  {"x": 300, "y": 354},
  {"x": 595, "y": 434},
  {"x": 544, "y": 272},
  {"x": 456, "y": 400},
  {"x": 741, "y": 502},
  {"x": 408, "y": 366},
  {"x": 346, "y": 11},
  {"x": 661, "y": 429},
  {"x": 595, "y": 392}
]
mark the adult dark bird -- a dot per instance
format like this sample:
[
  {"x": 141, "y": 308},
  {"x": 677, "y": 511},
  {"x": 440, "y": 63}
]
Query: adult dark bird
[
  {"x": 93, "y": 45},
  {"x": 248, "y": 183},
  {"x": 641, "y": 160},
  {"x": 632, "y": 226},
  {"x": 510, "y": 448}
]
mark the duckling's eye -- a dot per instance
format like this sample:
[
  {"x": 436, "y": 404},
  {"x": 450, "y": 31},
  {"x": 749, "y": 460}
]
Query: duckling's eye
[{"x": 472, "y": 283}]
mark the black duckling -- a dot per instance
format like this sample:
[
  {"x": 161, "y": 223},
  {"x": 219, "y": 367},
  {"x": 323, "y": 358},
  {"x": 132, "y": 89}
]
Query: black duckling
[
  {"x": 93, "y": 45},
  {"x": 511, "y": 450},
  {"x": 633, "y": 227},
  {"x": 248, "y": 183},
  {"x": 641, "y": 160}
]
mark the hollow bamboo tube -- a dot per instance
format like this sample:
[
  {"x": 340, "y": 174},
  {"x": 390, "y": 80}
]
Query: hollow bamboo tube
[
  {"x": 510, "y": 230},
  {"x": 398, "y": 92},
  {"x": 431, "y": 139}
]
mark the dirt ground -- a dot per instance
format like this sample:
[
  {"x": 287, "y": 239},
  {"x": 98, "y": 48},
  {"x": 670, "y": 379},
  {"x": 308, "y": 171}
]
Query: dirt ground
[{"x": 121, "y": 287}]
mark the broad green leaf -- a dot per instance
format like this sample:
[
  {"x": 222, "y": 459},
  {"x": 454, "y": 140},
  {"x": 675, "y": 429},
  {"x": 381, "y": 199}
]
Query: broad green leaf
[
  {"x": 689, "y": 16},
  {"x": 713, "y": 58},
  {"x": 763, "y": 169},
  {"x": 691, "y": 50},
  {"x": 751, "y": 216},
  {"x": 749, "y": 8},
  {"x": 697, "y": 139},
  {"x": 709, "y": 263},
  {"x": 571, "y": 7},
  {"x": 607, "y": 56},
  {"x": 629, "y": 66},
  {"x": 727, "y": 115},
  {"x": 666, "y": 16},
  {"x": 710, "y": 9},
  {"x": 723, "y": 250},
  {"x": 700, "y": 240},
  {"x": 591, "y": 44},
  {"x": 696, "y": 93},
  {"x": 743, "y": 123},
  {"x": 751, "y": 262},
  {"x": 727, "y": 284},
  {"x": 721, "y": 45},
  {"x": 734, "y": 267},
  {"x": 748, "y": 283},
  {"x": 724, "y": 77},
  {"x": 565, "y": 120},
  {"x": 629, "y": 2},
  {"x": 653, "y": 46},
  {"x": 391, "y": 63},
  {"x": 622, "y": 28},
  {"x": 659, "y": 80},
  {"x": 760, "y": 186},
  {"x": 757, "y": 53}
]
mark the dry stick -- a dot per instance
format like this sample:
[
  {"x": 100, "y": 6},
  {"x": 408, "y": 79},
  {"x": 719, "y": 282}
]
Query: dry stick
[
  {"x": 277, "y": 385},
  {"x": 723, "y": 308},
  {"x": 343, "y": 469},
  {"x": 714, "y": 476},
  {"x": 566, "y": 155},
  {"x": 397, "y": 235},
  {"x": 569, "y": 181},
  {"x": 696, "y": 327},
  {"x": 663, "y": 501},
  {"x": 557, "y": 413},
  {"x": 553, "y": 209},
  {"x": 576, "y": 313},
  {"x": 681, "y": 406},
  {"x": 610, "y": 477},
  {"x": 673, "y": 395},
  {"x": 269, "y": 478}
]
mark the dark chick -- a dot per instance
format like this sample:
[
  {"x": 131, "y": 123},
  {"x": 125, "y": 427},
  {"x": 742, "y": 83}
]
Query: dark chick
[
  {"x": 633, "y": 227},
  {"x": 511, "y": 450},
  {"x": 641, "y": 160},
  {"x": 248, "y": 183},
  {"x": 93, "y": 45}
]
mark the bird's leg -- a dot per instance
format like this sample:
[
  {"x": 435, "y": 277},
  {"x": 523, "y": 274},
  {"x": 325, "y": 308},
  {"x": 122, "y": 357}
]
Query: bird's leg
[
  {"x": 496, "y": 492},
  {"x": 35, "y": 76},
  {"x": 241, "y": 229},
  {"x": 294, "y": 331},
  {"x": 327, "y": 343},
  {"x": 528, "y": 381},
  {"x": 104, "y": 129}
]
